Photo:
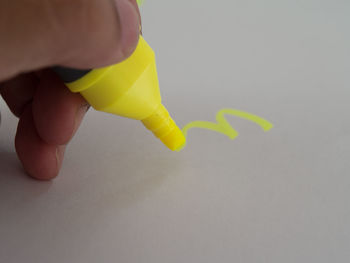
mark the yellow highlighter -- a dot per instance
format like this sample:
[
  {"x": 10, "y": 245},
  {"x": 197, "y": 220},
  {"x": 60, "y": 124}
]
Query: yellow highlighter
[{"x": 128, "y": 89}]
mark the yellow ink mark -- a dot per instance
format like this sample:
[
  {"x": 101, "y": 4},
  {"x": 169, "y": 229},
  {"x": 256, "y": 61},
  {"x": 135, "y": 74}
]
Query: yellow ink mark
[{"x": 224, "y": 127}]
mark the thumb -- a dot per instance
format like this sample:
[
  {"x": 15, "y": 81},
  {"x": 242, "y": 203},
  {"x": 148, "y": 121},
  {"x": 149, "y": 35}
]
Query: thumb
[{"x": 72, "y": 33}]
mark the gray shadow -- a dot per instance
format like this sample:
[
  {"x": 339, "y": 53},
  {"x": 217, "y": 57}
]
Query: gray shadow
[
  {"x": 16, "y": 187},
  {"x": 9, "y": 165},
  {"x": 143, "y": 186}
]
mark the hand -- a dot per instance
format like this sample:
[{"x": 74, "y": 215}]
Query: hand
[{"x": 37, "y": 34}]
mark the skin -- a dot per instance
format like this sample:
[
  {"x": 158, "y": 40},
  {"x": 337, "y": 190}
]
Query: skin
[{"x": 37, "y": 34}]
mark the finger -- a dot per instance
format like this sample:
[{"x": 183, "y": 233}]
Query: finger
[
  {"x": 57, "y": 112},
  {"x": 41, "y": 160},
  {"x": 136, "y": 6},
  {"x": 72, "y": 33},
  {"x": 19, "y": 91}
]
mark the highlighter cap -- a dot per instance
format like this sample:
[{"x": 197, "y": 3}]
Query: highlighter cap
[{"x": 130, "y": 89}]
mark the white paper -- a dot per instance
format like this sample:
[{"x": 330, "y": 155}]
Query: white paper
[{"x": 276, "y": 196}]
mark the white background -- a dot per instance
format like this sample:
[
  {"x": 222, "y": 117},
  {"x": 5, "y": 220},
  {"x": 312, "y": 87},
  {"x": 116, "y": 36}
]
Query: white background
[{"x": 280, "y": 196}]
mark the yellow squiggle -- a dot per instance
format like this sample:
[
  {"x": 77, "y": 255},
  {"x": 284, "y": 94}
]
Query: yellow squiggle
[{"x": 224, "y": 127}]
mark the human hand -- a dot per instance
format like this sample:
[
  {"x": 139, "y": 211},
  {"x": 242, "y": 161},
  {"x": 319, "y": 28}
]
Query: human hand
[{"x": 37, "y": 34}]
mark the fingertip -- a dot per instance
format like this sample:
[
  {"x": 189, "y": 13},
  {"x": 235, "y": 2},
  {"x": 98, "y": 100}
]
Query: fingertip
[
  {"x": 112, "y": 38},
  {"x": 130, "y": 24},
  {"x": 40, "y": 160}
]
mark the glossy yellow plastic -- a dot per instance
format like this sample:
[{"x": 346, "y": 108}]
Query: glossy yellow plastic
[{"x": 131, "y": 89}]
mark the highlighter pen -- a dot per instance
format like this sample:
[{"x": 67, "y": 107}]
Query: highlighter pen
[{"x": 129, "y": 89}]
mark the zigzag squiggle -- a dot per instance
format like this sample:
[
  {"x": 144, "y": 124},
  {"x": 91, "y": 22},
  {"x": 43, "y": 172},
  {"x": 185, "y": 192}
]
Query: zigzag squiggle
[{"x": 224, "y": 127}]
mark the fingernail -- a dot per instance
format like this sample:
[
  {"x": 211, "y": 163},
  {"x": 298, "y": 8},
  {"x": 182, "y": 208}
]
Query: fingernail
[
  {"x": 129, "y": 24},
  {"x": 59, "y": 156},
  {"x": 137, "y": 4},
  {"x": 79, "y": 116}
]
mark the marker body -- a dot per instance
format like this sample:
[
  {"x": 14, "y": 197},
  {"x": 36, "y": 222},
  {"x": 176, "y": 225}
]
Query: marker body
[{"x": 128, "y": 89}]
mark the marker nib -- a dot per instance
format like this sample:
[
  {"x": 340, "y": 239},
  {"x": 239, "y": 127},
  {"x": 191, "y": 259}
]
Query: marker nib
[
  {"x": 165, "y": 128},
  {"x": 175, "y": 140}
]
